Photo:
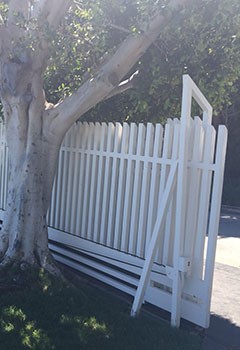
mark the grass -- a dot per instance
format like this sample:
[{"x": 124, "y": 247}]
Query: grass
[{"x": 50, "y": 315}]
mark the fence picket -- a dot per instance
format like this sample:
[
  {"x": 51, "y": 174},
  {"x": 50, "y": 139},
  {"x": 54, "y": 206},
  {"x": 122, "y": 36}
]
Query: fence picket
[
  {"x": 80, "y": 203},
  {"x": 59, "y": 193},
  {"x": 121, "y": 187},
  {"x": 4, "y": 167},
  {"x": 99, "y": 189},
  {"x": 214, "y": 214},
  {"x": 65, "y": 173},
  {"x": 93, "y": 175},
  {"x": 144, "y": 195},
  {"x": 78, "y": 137},
  {"x": 137, "y": 173},
  {"x": 87, "y": 178},
  {"x": 167, "y": 149},
  {"x": 154, "y": 187},
  {"x": 168, "y": 239},
  {"x": 107, "y": 174},
  {"x": 2, "y": 164},
  {"x": 205, "y": 190},
  {"x": 194, "y": 175},
  {"x": 69, "y": 189},
  {"x": 113, "y": 186},
  {"x": 129, "y": 188}
]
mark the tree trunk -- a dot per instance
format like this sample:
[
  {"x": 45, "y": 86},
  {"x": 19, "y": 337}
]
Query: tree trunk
[{"x": 32, "y": 162}]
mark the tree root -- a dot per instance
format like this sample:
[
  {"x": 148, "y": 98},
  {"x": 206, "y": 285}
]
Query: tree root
[
  {"x": 14, "y": 270},
  {"x": 50, "y": 265}
]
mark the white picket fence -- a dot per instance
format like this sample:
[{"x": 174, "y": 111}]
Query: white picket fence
[{"x": 132, "y": 205}]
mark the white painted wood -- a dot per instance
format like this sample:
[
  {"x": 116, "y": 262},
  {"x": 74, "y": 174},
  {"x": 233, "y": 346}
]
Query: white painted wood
[
  {"x": 193, "y": 188},
  {"x": 64, "y": 172},
  {"x": 5, "y": 171},
  {"x": 81, "y": 184},
  {"x": 113, "y": 186},
  {"x": 168, "y": 239},
  {"x": 4, "y": 167},
  {"x": 59, "y": 192},
  {"x": 181, "y": 200},
  {"x": 2, "y": 145},
  {"x": 99, "y": 250},
  {"x": 144, "y": 193},
  {"x": 164, "y": 171},
  {"x": 93, "y": 175},
  {"x": 2, "y": 133},
  {"x": 200, "y": 99},
  {"x": 121, "y": 187},
  {"x": 215, "y": 213},
  {"x": 204, "y": 199},
  {"x": 107, "y": 175},
  {"x": 128, "y": 190},
  {"x": 137, "y": 183},
  {"x": 71, "y": 169},
  {"x": 76, "y": 167},
  {"x": 99, "y": 190},
  {"x": 154, "y": 187},
  {"x": 87, "y": 183},
  {"x": 152, "y": 248}
]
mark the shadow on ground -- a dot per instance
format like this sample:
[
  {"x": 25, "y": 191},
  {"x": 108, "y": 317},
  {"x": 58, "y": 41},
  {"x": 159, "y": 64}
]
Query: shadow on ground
[
  {"x": 221, "y": 335},
  {"x": 229, "y": 224}
]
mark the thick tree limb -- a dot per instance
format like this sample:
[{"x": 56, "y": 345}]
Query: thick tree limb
[
  {"x": 51, "y": 10},
  {"x": 110, "y": 74}
]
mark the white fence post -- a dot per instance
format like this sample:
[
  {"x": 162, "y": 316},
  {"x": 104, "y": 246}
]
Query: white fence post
[{"x": 181, "y": 201}]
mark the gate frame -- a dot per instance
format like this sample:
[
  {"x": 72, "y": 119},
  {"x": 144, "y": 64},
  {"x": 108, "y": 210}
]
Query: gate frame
[{"x": 181, "y": 264}]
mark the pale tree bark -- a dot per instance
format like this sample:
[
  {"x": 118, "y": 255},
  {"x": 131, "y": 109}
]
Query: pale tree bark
[{"x": 34, "y": 133}]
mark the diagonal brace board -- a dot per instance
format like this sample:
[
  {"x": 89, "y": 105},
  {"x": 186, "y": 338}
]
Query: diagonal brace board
[{"x": 153, "y": 246}]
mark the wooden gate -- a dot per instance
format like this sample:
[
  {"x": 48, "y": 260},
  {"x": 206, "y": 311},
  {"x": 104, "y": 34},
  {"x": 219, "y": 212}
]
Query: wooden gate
[{"x": 132, "y": 206}]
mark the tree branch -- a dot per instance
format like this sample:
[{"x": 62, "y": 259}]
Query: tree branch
[
  {"x": 120, "y": 28},
  {"x": 108, "y": 78},
  {"x": 51, "y": 11},
  {"x": 123, "y": 86}
]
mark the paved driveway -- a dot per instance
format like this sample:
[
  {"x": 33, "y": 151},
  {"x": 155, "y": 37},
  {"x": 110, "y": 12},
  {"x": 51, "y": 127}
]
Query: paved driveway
[
  {"x": 228, "y": 245},
  {"x": 224, "y": 331}
]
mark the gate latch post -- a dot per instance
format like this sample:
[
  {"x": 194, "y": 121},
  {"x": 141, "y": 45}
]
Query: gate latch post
[{"x": 184, "y": 265}]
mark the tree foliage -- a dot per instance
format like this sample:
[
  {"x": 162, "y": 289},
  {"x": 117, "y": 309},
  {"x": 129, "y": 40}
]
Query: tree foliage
[{"x": 203, "y": 40}]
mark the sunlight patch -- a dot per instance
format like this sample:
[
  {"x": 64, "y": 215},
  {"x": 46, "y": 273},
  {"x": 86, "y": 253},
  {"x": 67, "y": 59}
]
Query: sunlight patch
[
  {"x": 32, "y": 336},
  {"x": 90, "y": 323},
  {"x": 14, "y": 320},
  {"x": 7, "y": 326},
  {"x": 14, "y": 312},
  {"x": 93, "y": 324}
]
